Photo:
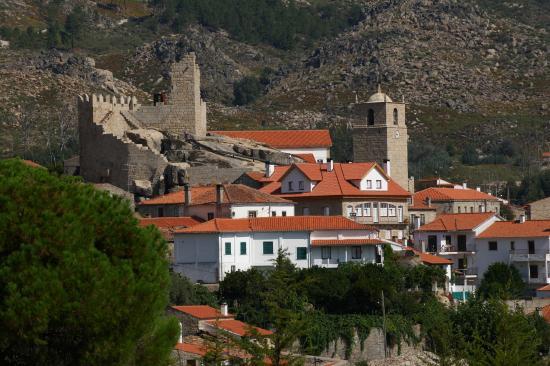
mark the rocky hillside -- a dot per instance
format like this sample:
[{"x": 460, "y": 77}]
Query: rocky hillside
[{"x": 473, "y": 72}]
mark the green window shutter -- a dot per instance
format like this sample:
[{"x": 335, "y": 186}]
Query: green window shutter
[
  {"x": 301, "y": 253},
  {"x": 227, "y": 248},
  {"x": 243, "y": 248},
  {"x": 268, "y": 247}
]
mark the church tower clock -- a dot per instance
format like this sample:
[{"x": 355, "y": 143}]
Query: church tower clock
[{"x": 381, "y": 135}]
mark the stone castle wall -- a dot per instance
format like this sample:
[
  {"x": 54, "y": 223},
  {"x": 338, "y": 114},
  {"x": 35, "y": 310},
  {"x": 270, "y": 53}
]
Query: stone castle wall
[{"x": 105, "y": 156}]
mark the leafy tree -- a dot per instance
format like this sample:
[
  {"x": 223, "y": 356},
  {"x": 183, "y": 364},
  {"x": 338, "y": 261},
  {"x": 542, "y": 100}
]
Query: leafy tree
[
  {"x": 183, "y": 292},
  {"x": 80, "y": 281},
  {"x": 247, "y": 90},
  {"x": 75, "y": 24},
  {"x": 501, "y": 281},
  {"x": 469, "y": 155}
]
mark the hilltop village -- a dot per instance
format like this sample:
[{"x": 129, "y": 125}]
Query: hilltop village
[{"x": 228, "y": 201}]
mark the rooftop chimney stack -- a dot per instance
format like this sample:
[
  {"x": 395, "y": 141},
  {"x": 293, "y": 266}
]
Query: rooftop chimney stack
[
  {"x": 269, "y": 169},
  {"x": 478, "y": 189},
  {"x": 223, "y": 309},
  {"x": 387, "y": 167},
  {"x": 521, "y": 219},
  {"x": 219, "y": 194},
  {"x": 464, "y": 185},
  {"x": 330, "y": 165},
  {"x": 187, "y": 195}
]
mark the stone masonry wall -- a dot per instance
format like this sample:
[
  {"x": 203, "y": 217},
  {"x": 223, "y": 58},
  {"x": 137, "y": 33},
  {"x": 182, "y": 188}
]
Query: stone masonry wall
[
  {"x": 185, "y": 111},
  {"x": 540, "y": 210}
]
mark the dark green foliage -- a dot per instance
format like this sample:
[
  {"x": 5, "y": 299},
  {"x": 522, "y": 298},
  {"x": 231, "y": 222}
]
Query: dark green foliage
[
  {"x": 506, "y": 212},
  {"x": 75, "y": 24},
  {"x": 427, "y": 160},
  {"x": 80, "y": 282},
  {"x": 534, "y": 187},
  {"x": 502, "y": 281},
  {"x": 247, "y": 90},
  {"x": 470, "y": 156},
  {"x": 342, "y": 143},
  {"x": 183, "y": 292}
]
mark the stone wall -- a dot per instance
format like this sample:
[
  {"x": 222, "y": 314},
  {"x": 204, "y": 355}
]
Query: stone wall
[
  {"x": 540, "y": 210},
  {"x": 190, "y": 325}
]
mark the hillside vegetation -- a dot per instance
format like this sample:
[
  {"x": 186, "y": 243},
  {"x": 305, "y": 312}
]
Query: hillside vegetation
[{"x": 474, "y": 73}]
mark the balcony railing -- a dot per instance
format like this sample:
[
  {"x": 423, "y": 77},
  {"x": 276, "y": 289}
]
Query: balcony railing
[
  {"x": 457, "y": 248},
  {"x": 470, "y": 271},
  {"x": 524, "y": 255}
]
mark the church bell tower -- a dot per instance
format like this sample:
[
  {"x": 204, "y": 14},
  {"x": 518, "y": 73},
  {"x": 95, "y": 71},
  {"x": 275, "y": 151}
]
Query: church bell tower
[{"x": 381, "y": 135}]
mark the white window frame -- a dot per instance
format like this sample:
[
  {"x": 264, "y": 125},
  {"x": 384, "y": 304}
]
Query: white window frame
[
  {"x": 326, "y": 211},
  {"x": 349, "y": 210},
  {"x": 392, "y": 210},
  {"x": 383, "y": 209},
  {"x": 359, "y": 210},
  {"x": 369, "y": 184},
  {"x": 378, "y": 184},
  {"x": 367, "y": 209}
]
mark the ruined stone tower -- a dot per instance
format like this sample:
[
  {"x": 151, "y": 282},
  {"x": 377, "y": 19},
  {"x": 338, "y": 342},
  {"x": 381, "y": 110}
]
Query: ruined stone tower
[
  {"x": 183, "y": 111},
  {"x": 381, "y": 135}
]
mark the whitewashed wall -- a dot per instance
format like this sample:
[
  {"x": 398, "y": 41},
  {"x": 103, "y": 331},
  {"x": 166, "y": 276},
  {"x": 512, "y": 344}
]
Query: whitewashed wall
[{"x": 263, "y": 210}]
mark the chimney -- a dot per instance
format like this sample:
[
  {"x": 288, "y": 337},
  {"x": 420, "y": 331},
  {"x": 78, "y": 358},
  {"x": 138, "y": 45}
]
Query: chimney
[
  {"x": 223, "y": 309},
  {"x": 187, "y": 197},
  {"x": 269, "y": 169},
  {"x": 387, "y": 167},
  {"x": 521, "y": 219},
  {"x": 180, "y": 340},
  {"x": 330, "y": 165},
  {"x": 464, "y": 185},
  {"x": 429, "y": 201},
  {"x": 219, "y": 194},
  {"x": 478, "y": 189}
]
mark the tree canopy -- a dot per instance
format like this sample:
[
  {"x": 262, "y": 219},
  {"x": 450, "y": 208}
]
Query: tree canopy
[
  {"x": 502, "y": 281},
  {"x": 80, "y": 282}
]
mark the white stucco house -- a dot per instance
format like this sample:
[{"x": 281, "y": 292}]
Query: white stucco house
[
  {"x": 454, "y": 236},
  {"x": 206, "y": 252},
  {"x": 523, "y": 243},
  {"x": 297, "y": 142}
]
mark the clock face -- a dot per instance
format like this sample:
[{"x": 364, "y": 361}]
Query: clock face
[{"x": 396, "y": 134}]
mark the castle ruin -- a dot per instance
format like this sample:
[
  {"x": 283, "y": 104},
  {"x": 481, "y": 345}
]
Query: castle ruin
[{"x": 150, "y": 150}]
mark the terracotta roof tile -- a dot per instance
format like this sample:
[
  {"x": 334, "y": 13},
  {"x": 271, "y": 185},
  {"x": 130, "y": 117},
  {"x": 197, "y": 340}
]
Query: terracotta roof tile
[
  {"x": 515, "y": 229},
  {"x": 438, "y": 194},
  {"x": 237, "y": 327},
  {"x": 193, "y": 348},
  {"x": 170, "y": 222},
  {"x": 544, "y": 288},
  {"x": 457, "y": 222},
  {"x": 278, "y": 223},
  {"x": 427, "y": 258},
  {"x": 202, "y": 312},
  {"x": 281, "y": 139},
  {"x": 32, "y": 164},
  {"x": 334, "y": 183},
  {"x": 336, "y": 242},
  {"x": 307, "y": 158},
  {"x": 545, "y": 313},
  {"x": 232, "y": 193}
]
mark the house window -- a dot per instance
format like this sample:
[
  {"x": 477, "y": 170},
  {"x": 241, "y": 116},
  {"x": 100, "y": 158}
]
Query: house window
[
  {"x": 228, "y": 248},
  {"x": 370, "y": 116},
  {"x": 301, "y": 253},
  {"x": 359, "y": 210},
  {"x": 290, "y": 188},
  {"x": 369, "y": 184},
  {"x": 459, "y": 209},
  {"x": 366, "y": 209},
  {"x": 252, "y": 214},
  {"x": 232, "y": 213},
  {"x": 160, "y": 212},
  {"x": 356, "y": 252},
  {"x": 383, "y": 209},
  {"x": 492, "y": 245},
  {"x": 395, "y": 116},
  {"x": 283, "y": 213},
  {"x": 210, "y": 215},
  {"x": 480, "y": 208},
  {"x": 461, "y": 241},
  {"x": 512, "y": 246},
  {"x": 301, "y": 185},
  {"x": 471, "y": 209},
  {"x": 422, "y": 219},
  {"x": 533, "y": 271},
  {"x": 325, "y": 253},
  {"x": 391, "y": 210},
  {"x": 462, "y": 264},
  {"x": 378, "y": 184},
  {"x": 326, "y": 211},
  {"x": 349, "y": 210},
  {"x": 448, "y": 240},
  {"x": 233, "y": 268},
  {"x": 305, "y": 211},
  {"x": 243, "y": 248},
  {"x": 268, "y": 247},
  {"x": 273, "y": 213},
  {"x": 432, "y": 244},
  {"x": 531, "y": 244}
]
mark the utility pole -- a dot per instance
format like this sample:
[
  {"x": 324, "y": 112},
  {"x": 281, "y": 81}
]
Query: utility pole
[{"x": 384, "y": 326}]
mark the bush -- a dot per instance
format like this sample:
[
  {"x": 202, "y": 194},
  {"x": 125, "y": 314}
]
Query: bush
[
  {"x": 247, "y": 90},
  {"x": 501, "y": 281}
]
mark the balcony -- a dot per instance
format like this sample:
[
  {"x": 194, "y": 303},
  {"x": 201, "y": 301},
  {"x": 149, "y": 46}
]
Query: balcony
[
  {"x": 466, "y": 272},
  {"x": 457, "y": 249},
  {"x": 523, "y": 255}
]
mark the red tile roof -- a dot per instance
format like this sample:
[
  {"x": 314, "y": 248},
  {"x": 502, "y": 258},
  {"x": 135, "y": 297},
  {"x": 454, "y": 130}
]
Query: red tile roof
[
  {"x": 169, "y": 222},
  {"x": 421, "y": 206},
  {"x": 238, "y": 327},
  {"x": 335, "y": 183},
  {"x": 32, "y": 164},
  {"x": 307, "y": 158},
  {"x": 281, "y": 139},
  {"x": 194, "y": 348},
  {"x": 544, "y": 288},
  {"x": 277, "y": 223},
  {"x": 232, "y": 193},
  {"x": 442, "y": 194},
  {"x": 515, "y": 229},
  {"x": 546, "y": 154},
  {"x": 545, "y": 313},
  {"x": 202, "y": 312},
  {"x": 427, "y": 258},
  {"x": 457, "y": 222},
  {"x": 337, "y": 242}
]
